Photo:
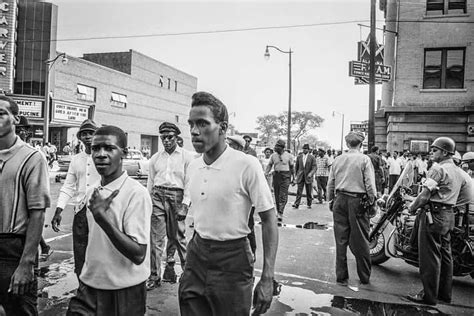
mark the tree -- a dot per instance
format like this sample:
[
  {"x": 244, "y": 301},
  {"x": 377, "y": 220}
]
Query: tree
[
  {"x": 313, "y": 142},
  {"x": 275, "y": 126}
]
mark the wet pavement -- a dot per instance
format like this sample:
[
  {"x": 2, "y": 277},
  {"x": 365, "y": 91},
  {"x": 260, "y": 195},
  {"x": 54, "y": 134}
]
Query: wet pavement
[{"x": 304, "y": 267}]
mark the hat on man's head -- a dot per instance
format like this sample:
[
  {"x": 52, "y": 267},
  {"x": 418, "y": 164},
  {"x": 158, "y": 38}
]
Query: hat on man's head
[
  {"x": 354, "y": 138},
  {"x": 88, "y": 125},
  {"x": 280, "y": 143},
  {"x": 468, "y": 156},
  {"x": 247, "y": 137},
  {"x": 306, "y": 146},
  {"x": 169, "y": 127},
  {"x": 237, "y": 139}
]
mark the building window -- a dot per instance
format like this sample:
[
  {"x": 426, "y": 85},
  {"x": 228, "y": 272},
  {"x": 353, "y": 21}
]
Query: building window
[
  {"x": 175, "y": 85},
  {"x": 86, "y": 93},
  {"x": 118, "y": 100},
  {"x": 442, "y": 7},
  {"x": 169, "y": 83},
  {"x": 160, "y": 82},
  {"x": 444, "y": 68}
]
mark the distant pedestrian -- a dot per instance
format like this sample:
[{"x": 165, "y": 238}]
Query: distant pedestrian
[
  {"x": 247, "y": 149},
  {"x": 322, "y": 173},
  {"x": 394, "y": 170},
  {"x": 81, "y": 175},
  {"x": 283, "y": 171},
  {"x": 304, "y": 172},
  {"x": 117, "y": 264},
  {"x": 24, "y": 182},
  {"x": 351, "y": 192},
  {"x": 166, "y": 180},
  {"x": 67, "y": 149},
  {"x": 224, "y": 184},
  {"x": 265, "y": 161}
]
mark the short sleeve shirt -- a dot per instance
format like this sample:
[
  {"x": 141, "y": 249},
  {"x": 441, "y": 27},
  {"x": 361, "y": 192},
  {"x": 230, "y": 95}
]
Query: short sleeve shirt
[
  {"x": 24, "y": 183},
  {"x": 223, "y": 193},
  {"x": 445, "y": 182},
  {"x": 281, "y": 162},
  {"x": 105, "y": 267}
]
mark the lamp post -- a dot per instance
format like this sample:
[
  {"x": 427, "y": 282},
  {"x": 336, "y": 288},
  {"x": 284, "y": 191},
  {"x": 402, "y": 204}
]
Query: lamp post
[
  {"x": 342, "y": 125},
  {"x": 49, "y": 65},
  {"x": 289, "y": 52}
]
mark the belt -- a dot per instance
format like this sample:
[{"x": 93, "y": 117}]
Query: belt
[
  {"x": 160, "y": 187},
  {"x": 281, "y": 171},
  {"x": 439, "y": 206},
  {"x": 352, "y": 194}
]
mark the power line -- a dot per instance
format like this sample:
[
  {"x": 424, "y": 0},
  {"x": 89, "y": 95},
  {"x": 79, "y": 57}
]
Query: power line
[{"x": 236, "y": 30}]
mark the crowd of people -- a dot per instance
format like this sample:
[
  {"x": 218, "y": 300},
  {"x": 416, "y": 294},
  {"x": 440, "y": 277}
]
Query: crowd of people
[{"x": 119, "y": 226}]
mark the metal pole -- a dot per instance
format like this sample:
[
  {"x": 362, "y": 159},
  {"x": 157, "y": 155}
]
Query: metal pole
[
  {"x": 289, "y": 103},
  {"x": 342, "y": 131},
  {"x": 46, "y": 106},
  {"x": 371, "y": 138}
]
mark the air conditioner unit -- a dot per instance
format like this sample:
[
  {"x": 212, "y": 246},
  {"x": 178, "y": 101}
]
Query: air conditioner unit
[{"x": 470, "y": 129}]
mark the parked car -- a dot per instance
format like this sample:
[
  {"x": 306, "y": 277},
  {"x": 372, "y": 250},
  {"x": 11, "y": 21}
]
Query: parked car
[
  {"x": 63, "y": 162},
  {"x": 135, "y": 164}
]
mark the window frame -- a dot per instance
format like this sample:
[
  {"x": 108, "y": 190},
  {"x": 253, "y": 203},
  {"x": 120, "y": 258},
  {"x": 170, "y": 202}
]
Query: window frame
[
  {"x": 443, "y": 63},
  {"x": 445, "y": 6},
  {"x": 118, "y": 100},
  {"x": 84, "y": 94}
]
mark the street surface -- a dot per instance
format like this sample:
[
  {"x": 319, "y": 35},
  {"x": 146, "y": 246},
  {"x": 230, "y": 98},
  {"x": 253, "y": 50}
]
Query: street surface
[{"x": 305, "y": 267}]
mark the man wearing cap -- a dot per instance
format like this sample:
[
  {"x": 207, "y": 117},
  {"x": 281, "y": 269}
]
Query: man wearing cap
[
  {"x": 80, "y": 176},
  {"x": 322, "y": 173},
  {"x": 351, "y": 192},
  {"x": 282, "y": 163},
  {"x": 247, "y": 149},
  {"x": 441, "y": 190},
  {"x": 166, "y": 180},
  {"x": 305, "y": 169},
  {"x": 236, "y": 142}
]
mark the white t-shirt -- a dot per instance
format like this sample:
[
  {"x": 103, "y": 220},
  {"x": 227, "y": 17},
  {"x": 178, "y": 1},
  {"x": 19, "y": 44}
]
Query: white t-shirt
[
  {"x": 223, "y": 193},
  {"x": 394, "y": 166},
  {"x": 105, "y": 267}
]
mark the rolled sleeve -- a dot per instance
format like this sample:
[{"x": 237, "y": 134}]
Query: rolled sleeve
[
  {"x": 257, "y": 187},
  {"x": 69, "y": 187},
  {"x": 137, "y": 217},
  {"x": 37, "y": 183},
  {"x": 435, "y": 175}
]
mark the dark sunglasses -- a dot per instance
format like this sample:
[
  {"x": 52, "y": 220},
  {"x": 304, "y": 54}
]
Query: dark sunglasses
[{"x": 168, "y": 137}]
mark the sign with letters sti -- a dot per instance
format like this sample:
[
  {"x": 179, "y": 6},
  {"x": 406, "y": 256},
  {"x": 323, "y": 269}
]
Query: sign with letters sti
[{"x": 8, "y": 11}]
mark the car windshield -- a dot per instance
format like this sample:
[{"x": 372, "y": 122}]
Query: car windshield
[{"x": 133, "y": 155}]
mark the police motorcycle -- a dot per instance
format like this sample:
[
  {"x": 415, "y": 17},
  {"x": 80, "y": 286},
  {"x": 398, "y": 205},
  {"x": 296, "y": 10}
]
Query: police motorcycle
[{"x": 392, "y": 225}]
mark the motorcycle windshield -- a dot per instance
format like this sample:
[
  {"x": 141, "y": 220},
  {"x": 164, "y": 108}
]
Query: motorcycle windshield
[{"x": 406, "y": 179}]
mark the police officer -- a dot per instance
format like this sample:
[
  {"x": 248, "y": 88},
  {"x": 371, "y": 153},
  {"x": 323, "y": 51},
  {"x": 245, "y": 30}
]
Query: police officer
[
  {"x": 440, "y": 193},
  {"x": 351, "y": 191}
]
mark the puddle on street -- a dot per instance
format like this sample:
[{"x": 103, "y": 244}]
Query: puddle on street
[
  {"x": 59, "y": 278},
  {"x": 306, "y": 302},
  {"x": 308, "y": 225}
]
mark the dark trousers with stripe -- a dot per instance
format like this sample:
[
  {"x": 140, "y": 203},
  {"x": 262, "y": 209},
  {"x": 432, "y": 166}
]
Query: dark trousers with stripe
[
  {"x": 309, "y": 192},
  {"x": 281, "y": 182},
  {"x": 217, "y": 279},
  {"x": 351, "y": 228}
]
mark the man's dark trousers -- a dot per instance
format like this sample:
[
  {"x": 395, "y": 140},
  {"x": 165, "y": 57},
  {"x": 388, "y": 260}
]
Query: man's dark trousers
[
  {"x": 392, "y": 180},
  {"x": 217, "y": 279},
  {"x": 308, "y": 188},
  {"x": 351, "y": 227},
  {"x": 322, "y": 182},
  {"x": 281, "y": 182},
  {"x": 436, "y": 261},
  {"x": 80, "y": 235}
]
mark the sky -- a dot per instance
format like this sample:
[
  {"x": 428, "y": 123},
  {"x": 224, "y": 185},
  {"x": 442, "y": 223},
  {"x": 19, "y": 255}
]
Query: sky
[{"x": 323, "y": 36}]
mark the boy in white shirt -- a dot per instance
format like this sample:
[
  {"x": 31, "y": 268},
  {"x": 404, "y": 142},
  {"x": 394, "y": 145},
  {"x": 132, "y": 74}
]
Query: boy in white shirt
[{"x": 112, "y": 281}]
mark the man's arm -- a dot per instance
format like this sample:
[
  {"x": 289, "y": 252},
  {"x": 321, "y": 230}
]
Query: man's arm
[
  {"x": 22, "y": 279},
  {"x": 151, "y": 174},
  {"x": 269, "y": 166},
  {"x": 65, "y": 194},
  {"x": 292, "y": 168},
  {"x": 263, "y": 292},
  {"x": 420, "y": 200},
  {"x": 369, "y": 180}
]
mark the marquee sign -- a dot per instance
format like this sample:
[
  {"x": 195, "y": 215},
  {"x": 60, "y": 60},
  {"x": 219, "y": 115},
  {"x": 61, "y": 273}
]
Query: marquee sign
[
  {"x": 8, "y": 11},
  {"x": 71, "y": 113},
  {"x": 30, "y": 108}
]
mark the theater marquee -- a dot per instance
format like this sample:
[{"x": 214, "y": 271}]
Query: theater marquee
[{"x": 8, "y": 11}]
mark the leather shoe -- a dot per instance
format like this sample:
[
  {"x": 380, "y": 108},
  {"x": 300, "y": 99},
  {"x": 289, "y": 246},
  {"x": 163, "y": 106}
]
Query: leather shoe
[
  {"x": 419, "y": 299},
  {"x": 344, "y": 282},
  {"x": 295, "y": 206}
]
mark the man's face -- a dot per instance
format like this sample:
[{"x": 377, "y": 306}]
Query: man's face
[
  {"x": 107, "y": 155},
  {"x": 7, "y": 119},
  {"x": 169, "y": 140},
  {"x": 436, "y": 154},
  {"x": 205, "y": 131},
  {"x": 268, "y": 153},
  {"x": 86, "y": 137},
  {"x": 321, "y": 153},
  {"x": 395, "y": 155},
  {"x": 247, "y": 142},
  {"x": 305, "y": 150},
  {"x": 278, "y": 149}
]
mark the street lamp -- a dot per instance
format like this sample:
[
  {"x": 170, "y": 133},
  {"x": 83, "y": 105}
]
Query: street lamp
[
  {"x": 289, "y": 52},
  {"x": 342, "y": 125},
  {"x": 49, "y": 65}
]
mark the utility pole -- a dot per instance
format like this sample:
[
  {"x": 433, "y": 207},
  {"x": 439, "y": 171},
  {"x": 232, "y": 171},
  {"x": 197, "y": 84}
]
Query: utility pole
[{"x": 371, "y": 138}]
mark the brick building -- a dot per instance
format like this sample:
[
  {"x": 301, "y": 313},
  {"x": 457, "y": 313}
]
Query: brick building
[
  {"x": 429, "y": 45},
  {"x": 127, "y": 89}
]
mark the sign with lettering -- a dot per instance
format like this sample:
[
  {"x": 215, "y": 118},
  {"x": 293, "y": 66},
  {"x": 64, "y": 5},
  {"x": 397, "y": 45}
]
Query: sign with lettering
[
  {"x": 8, "y": 11},
  {"x": 363, "y": 55},
  {"x": 70, "y": 113},
  {"x": 362, "y": 70},
  {"x": 30, "y": 108},
  {"x": 360, "y": 127}
]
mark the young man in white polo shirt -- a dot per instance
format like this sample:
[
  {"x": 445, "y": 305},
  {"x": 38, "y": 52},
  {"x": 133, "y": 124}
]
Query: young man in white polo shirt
[
  {"x": 112, "y": 281},
  {"x": 223, "y": 185}
]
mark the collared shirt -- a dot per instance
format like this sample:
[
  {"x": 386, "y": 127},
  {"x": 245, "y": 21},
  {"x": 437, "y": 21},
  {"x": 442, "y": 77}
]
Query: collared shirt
[
  {"x": 446, "y": 182},
  {"x": 304, "y": 159},
  {"x": 105, "y": 267},
  {"x": 322, "y": 166},
  {"x": 394, "y": 166},
  {"x": 352, "y": 172},
  {"x": 223, "y": 193},
  {"x": 280, "y": 162},
  {"x": 250, "y": 151},
  {"x": 80, "y": 176},
  {"x": 24, "y": 183},
  {"x": 169, "y": 170}
]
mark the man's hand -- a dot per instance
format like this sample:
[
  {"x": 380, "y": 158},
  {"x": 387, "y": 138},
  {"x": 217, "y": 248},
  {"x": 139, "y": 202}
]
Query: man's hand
[
  {"x": 56, "y": 221},
  {"x": 331, "y": 203},
  {"x": 99, "y": 206},
  {"x": 262, "y": 296},
  {"x": 181, "y": 216},
  {"x": 22, "y": 279}
]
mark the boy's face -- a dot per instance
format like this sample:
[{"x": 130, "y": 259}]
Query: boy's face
[
  {"x": 107, "y": 155},
  {"x": 205, "y": 131},
  {"x": 7, "y": 119},
  {"x": 86, "y": 137}
]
